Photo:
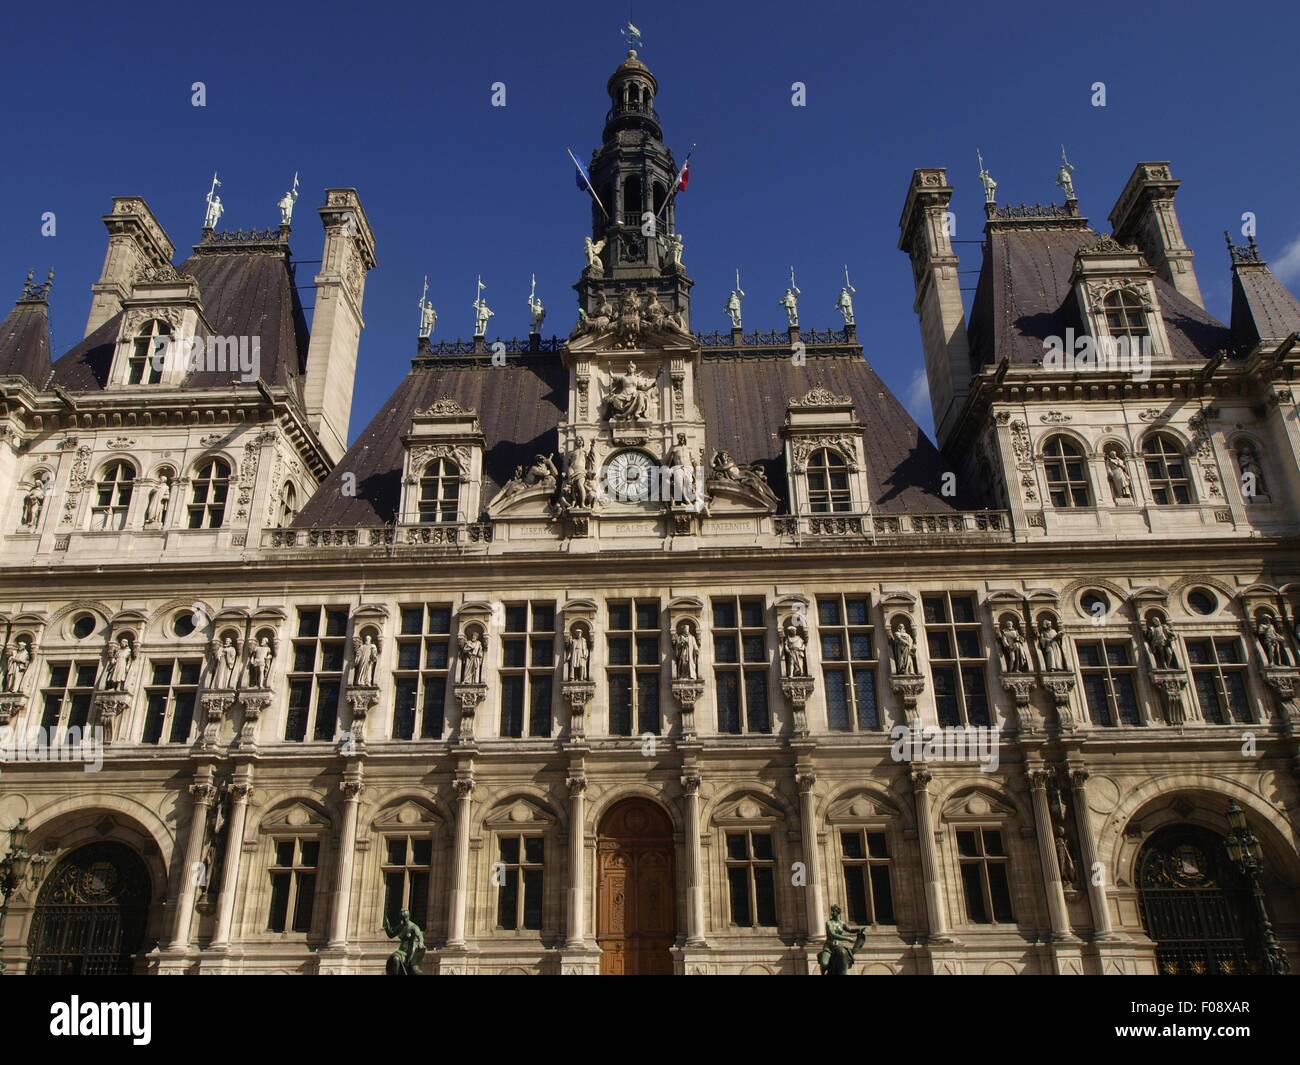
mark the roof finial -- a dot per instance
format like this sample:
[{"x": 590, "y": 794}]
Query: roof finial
[
  {"x": 631, "y": 34},
  {"x": 214, "y": 212},
  {"x": 986, "y": 179},
  {"x": 1065, "y": 177}
]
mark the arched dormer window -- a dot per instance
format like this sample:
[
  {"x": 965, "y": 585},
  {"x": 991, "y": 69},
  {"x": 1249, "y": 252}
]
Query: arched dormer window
[
  {"x": 440, "y": 491},
  {"x": 1067, "y": 473},
  {"x": 1166, "y": 469},
  {"x": 1125, "y": 314},
  {"x": 288, "y": 505},
  {"x": 828, "y": 482},
  {"x": 142, "y": 367},
  {"x": 208, "y": 495},
  {"x": 112, "y": 496}
]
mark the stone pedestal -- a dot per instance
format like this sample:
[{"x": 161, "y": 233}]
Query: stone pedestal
[
  {"x": 797, "y": 691},
  {"x": 1171, "y": 683},
  {"x": 361, "y": 701},
  {"x": 577, "y": 695},
  {"x": 253, "y": 702},
  {"x": 216, "y": 705},
  {"x": 11, "y": 705},
  {"x": 629, "y": 432},
  {"x": 107, "y": 708},
  {"x": 1060, "y": 686},
  {"x": 686, "y": 693},
  {"x": 469, "y": 696},
  {"x": 1020, "y": 686},
  {"x": 907, "y": 687}
]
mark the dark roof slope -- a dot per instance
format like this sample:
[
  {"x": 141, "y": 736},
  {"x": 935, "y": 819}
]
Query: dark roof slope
[
  {"x": 85, "y": 366},
  {"x": 1262, "y": 308},
  {"x": 25, "y": 342},
  {"x": 1023, "y": 297}
]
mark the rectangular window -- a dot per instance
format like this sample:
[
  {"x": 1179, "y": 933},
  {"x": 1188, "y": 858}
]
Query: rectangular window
[
  {"x": 408, "y": 862},
  {"x": 316, "y": 673},
  {"x": 65, "y": 700},
  {"x": 864, "y": 857},
  {"x": 741, "y": 664},
  {"x": 633, "y": 666},
  {"x": 849, "y": 662},
  {"x": 293, "y": 884},
  {"x": 420, "y": 679},
  {"x": 528, "y": 669},
  {"x": 1109, "y": 683},
  {"x": 751, "y": 879},
  {"x": 169, "y": 698},
  {"x": 521, "y": 861},
  {"x": 1219, "y": 676},
  {"x": 983, "y": 862},
  {"x": 956, "y": 646}
]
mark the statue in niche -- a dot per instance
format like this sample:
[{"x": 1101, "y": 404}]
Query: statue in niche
[
  {"x": 260, "y": 655},
  {"x": 17, "y": 657},
  {"x": 225, "y": 663},
  {"x": 118, "y": 661},
  {"x": 1051, "y": 646},
  {"x": 681, "y": 472},
  {"x": 1064, "y": 858},
  {"x": 1015, "y": 656},
  {"x": 576, "y": 487},
  {"x": 794, "y": 647},
  {"x": 836, "y": 956},
  {"x": 471, "y": 657},
  {"x": 903, "y": 645},
  {"x": 405, "y": 960},
  {"x": 1252, "y": 474},
  {"x": 34, "y": 504},
  {"x": 1117, "y": 470},
  {"x": 213, "y": 840},
  {"x": 1271, "y": 640},
  {"x": 365, "y": 660},
  {"x": 155, "y": 511},
  {"x": 1163, "y": 642},
  {"x": 577, "y": 654},
  {"x": 686, "y": 652}
]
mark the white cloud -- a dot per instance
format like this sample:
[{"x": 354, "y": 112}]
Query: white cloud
[
  {"x": 917, "y": 400},
  {"x": 1287, "y": 264}
]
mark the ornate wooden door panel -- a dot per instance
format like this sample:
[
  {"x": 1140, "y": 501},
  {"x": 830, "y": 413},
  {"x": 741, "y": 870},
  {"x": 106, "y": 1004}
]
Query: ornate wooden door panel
[{"x": 636, "y": 905}]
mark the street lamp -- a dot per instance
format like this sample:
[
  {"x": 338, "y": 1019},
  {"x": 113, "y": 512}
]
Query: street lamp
[
  {"x": 19, "y": 869},
  {"x": 1246, "y": 854}
]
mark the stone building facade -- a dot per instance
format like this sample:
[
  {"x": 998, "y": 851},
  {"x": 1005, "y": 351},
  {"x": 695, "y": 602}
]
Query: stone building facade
[{"x": 638, "y": 650}]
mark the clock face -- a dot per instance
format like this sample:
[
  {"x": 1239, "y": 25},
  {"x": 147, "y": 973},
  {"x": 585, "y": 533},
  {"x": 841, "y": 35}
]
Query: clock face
[{"x": 628, "y": 476}]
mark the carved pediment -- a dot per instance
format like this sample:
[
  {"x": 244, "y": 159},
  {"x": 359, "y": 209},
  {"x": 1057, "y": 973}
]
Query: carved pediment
[
  {"x": 746, "y": 808},
  {"x": 976, "y": 802},
  {"x": 861, "y": 806},
  {"x": 407, "y": 814},
  {"x": 297, "y": 816},
  {"x": 519, "y": 812}
]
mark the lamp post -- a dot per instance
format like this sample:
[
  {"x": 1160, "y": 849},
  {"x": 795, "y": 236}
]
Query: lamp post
[
  {"x": 18, "y": 869},
  {"x": 1246, "y": 854}
]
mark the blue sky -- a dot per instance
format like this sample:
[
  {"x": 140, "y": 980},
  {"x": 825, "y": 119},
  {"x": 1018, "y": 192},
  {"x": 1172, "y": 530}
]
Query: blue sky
[{"x": 396, "y": 101}]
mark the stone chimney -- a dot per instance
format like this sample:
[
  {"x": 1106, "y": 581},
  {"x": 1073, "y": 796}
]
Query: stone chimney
[
  {"x": 1144, "y": 215},
  {"x": 136, "y": 242}
]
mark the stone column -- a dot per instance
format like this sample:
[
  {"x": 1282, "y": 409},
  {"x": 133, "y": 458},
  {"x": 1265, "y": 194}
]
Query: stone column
[
  {"x": 239, "y": 796},
  {"x": 808, "y": 829},
  {"x": 204, "y": 793},
  {"x": 934, "y": 902},
  {"x": 464, "y": 787},
  {"x": 1056, "y": 911},
  {"x": 343, "y": 873},
  {"x": 1102, "y": 928},
  {"x": 576, "y": 914},
  {"x": 694, "y": 862}
]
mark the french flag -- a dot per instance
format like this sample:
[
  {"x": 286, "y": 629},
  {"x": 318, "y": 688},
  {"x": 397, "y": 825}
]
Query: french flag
[{"x": 684, "y": 178}]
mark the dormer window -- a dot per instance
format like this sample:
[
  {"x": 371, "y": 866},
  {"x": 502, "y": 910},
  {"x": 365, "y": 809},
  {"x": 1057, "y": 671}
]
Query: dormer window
[
  {"x": 828, "y": 482},
  {"x": 145, "y": 364},
  {"x": 208, "y": 495},
  {"x": 440, "y": 491},
  {"x": 112, "y": 497},
  {"x": 1166, "y": 471},
  {"x": 1067, "y": 477},
  {"x": 1126, "y": 315}
]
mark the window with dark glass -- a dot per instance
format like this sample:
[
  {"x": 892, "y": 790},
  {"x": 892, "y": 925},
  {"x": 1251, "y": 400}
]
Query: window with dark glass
[
  {"x": 740, "y": 664},
  {"x": 849, "y": 662},
  {"x": 408, "y": 862},
  {"x": 828, "y": 482},
  {"x": 66, "y": 697},
  {"x": 1219, "y": 677},
  {"x": 1166, "y": 471},
  {"x": 1125, "y": 314},
  {"x": 868, "y": 894},
  {"x": 142, "y": 367},
  {"x": 440, "y": 491},
  {"x": 983, "y": 862},
  {"x": 208, "y": 494},
  {"x": 1067, "y": 476},
  {"x": 316, "y": 672},
  {"x": 633, "y": 666},
  {"x": 1109, "y": 682},
  {"x": 112, "y": 497},
  {"x": 751, "y": 878},
  {"x": 957, "y": 659},
  {"x": 519, "y": 874},
  {"x": 420, "y": 677},
  {"x": 169, "y": 700},
  {"x": 293, "y": 884},
  {"x": 528, "y": 669}
]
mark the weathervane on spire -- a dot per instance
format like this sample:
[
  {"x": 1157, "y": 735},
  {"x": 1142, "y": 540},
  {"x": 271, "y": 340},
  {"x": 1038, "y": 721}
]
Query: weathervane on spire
[
  {"x": 986, "y": 179},
  {"x": 632, "y": 35},
  {"x": 1065, "y": 177}
]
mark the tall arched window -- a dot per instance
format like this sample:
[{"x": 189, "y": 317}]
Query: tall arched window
[
  {"x": 1166, "y": 471},
  {"x": 142, "y": 368},
  {"x": 208, "y": 495},
  {"x": 828, "y": 482},
  {"x": 288, "y": 505},
  {"x": 1125, "y": 314},
  {"x": 112, "y": 496},
  {"x": 1067, "y": 473},
  {"x": 440, "y": 491}
]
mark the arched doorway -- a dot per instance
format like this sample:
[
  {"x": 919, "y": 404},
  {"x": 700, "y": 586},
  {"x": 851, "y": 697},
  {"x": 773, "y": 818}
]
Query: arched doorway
[
  {"x": 91, "y": 912},
  {"x": 1194, "y": 905},
  {"x": 636, "y": 905}
]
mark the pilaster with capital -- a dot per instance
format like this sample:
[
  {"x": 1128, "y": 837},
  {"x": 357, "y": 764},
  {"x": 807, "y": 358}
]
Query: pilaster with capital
[
  {"x": 1039, "y": 778},
  {"x": 806, "y": 781},
  {"x": 1102, "y": 928},
  {"x": 350, "y": 789},
  {"x": 204, "y": 793},
  {"x": 690, "y": 781},
  {"x": 240, "y": 793},
  {"x": 934, "y": 902},
  {"x": 463, "y": 786},
  {"x": 575, "y": 912}
]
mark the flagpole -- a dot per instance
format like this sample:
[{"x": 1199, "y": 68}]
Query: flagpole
[
  {"x": 677, "y": 182},
  {"x": 586, "y": 181}
]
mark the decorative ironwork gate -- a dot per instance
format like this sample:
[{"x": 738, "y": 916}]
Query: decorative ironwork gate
[
  {"x": 91, "y": 913},
  {"x": 1194, "y": 905}
]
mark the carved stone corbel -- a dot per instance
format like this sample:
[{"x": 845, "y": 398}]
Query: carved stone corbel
[
  {"x": 361, "y": 701},
  {"x": 11, "y": 705},
  {"x": 215, "y": 705},
  {"x": 907, "y": 688},
  {"x": 797, "y": 691},
  {"x": 1020, "y": 686},
  {"x": 687, "y": 691},
  {"x": 577, "y": 695},
  {"x": 1285, "y": 684},
  {"x": 106, "y": 708},
  {"x": 254, "y": 703},
  {"x": 1060, "y": 686},
  {"x": 1171, "y": 683},
  {"x": 469, "y": 696}
]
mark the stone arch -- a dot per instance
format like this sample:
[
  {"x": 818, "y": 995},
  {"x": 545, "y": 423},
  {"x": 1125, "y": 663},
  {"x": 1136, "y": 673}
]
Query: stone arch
[
  {"x": 80, "y": 606},
  {"x": 634, "y": 790},
  {"x": 1070, "y": 596},
  {"x": 1072, "y": 435},
  {"x": 156, "y": 624}
]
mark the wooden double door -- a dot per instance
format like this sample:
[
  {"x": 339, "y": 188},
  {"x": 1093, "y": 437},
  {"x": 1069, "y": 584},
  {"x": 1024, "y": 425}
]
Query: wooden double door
[{"x": 636, "y": 905}]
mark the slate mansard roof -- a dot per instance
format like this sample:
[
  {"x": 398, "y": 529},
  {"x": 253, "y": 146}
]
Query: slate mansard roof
[
  {"x": 742, "y": 394},
  {"x": 25, "y": 338}
]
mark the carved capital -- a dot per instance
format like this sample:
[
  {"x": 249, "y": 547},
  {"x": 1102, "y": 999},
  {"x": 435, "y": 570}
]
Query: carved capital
[
  {"x": 921, "y": 779},
  {"x": 577, "y": 784},
  {"x": 806, "y": 780},
  {"x": 463, "y": 786},
  {"x": 691, "y": 783},
  {"x": 203, "y": 793},
  {"x": 241, "y": 792},
  {"x": 1039, "y": 779},
  {"x": 351, "y": 790}
]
